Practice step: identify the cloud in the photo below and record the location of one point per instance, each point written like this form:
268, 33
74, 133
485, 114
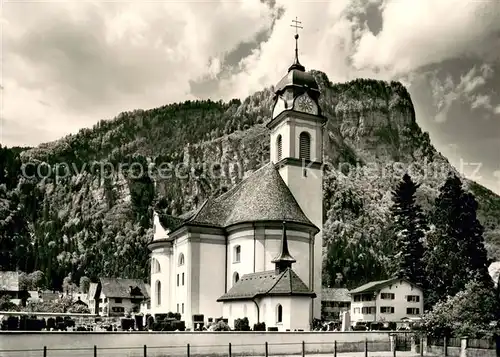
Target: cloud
420, 33
66, 65
445, 92
482, 101
496, 184
69, 64
90, 61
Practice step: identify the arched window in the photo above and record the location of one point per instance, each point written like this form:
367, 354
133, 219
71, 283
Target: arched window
158, 293
279, 147
305, 146
181, 259
236, 277
279, 313
155, 266
237, 254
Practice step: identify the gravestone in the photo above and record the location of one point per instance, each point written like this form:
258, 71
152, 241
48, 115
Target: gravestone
346, 321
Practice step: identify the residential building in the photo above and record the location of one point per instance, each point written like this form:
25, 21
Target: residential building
197, 258
35, 296
334, 301
116, 297
93, 299
9, 286
393, 300
145, 307
50, 295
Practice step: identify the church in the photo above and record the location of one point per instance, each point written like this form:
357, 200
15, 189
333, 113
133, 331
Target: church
256, 250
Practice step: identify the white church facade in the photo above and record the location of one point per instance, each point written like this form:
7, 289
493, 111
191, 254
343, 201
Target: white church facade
256, 250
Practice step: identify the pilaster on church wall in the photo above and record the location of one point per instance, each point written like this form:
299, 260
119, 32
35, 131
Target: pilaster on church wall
260, 249
162, 255
242, 237
179, 293
212, 261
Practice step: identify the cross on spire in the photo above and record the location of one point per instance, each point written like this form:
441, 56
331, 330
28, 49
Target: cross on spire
297, 25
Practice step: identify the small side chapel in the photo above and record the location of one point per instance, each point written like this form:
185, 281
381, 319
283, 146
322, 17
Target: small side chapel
232, 257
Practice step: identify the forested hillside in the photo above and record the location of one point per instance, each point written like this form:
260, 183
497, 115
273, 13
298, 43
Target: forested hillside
83, 204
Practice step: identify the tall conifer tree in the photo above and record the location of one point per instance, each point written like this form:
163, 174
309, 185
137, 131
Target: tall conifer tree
409, 228
456, 252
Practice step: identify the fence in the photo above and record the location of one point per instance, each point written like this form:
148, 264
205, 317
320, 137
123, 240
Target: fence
363, 348
454, 347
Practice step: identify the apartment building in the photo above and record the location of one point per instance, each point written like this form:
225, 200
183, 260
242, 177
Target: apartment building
393, 300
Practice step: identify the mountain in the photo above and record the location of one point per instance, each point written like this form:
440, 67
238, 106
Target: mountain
83, 204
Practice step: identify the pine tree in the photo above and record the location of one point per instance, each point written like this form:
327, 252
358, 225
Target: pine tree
498, 298
456, 252
409, 227
473, 246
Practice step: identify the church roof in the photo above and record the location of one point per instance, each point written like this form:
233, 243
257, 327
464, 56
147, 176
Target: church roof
267, 283
296, 77
262, 196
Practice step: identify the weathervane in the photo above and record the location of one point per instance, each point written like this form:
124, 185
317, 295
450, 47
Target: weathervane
297, 25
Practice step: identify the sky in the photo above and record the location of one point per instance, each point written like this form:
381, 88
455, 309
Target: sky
68, 64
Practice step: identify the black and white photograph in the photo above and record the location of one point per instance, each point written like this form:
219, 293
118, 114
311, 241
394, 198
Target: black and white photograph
234, 178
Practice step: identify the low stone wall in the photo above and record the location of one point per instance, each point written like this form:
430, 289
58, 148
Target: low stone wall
477, 352
463, 351
15, 343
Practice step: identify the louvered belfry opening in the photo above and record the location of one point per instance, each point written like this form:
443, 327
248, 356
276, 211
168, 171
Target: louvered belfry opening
280, 147
304, 146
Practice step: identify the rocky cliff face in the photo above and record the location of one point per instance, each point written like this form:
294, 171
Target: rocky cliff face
371, 139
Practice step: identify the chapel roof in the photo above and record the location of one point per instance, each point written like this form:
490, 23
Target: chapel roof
262, 196
267, 283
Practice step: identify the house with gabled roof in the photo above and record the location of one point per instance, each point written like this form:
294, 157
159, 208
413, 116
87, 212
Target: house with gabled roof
116, 296
392, 300
335, 301
197, 259
10, 287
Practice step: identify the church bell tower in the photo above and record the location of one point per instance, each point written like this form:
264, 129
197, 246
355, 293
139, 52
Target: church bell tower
297, 151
